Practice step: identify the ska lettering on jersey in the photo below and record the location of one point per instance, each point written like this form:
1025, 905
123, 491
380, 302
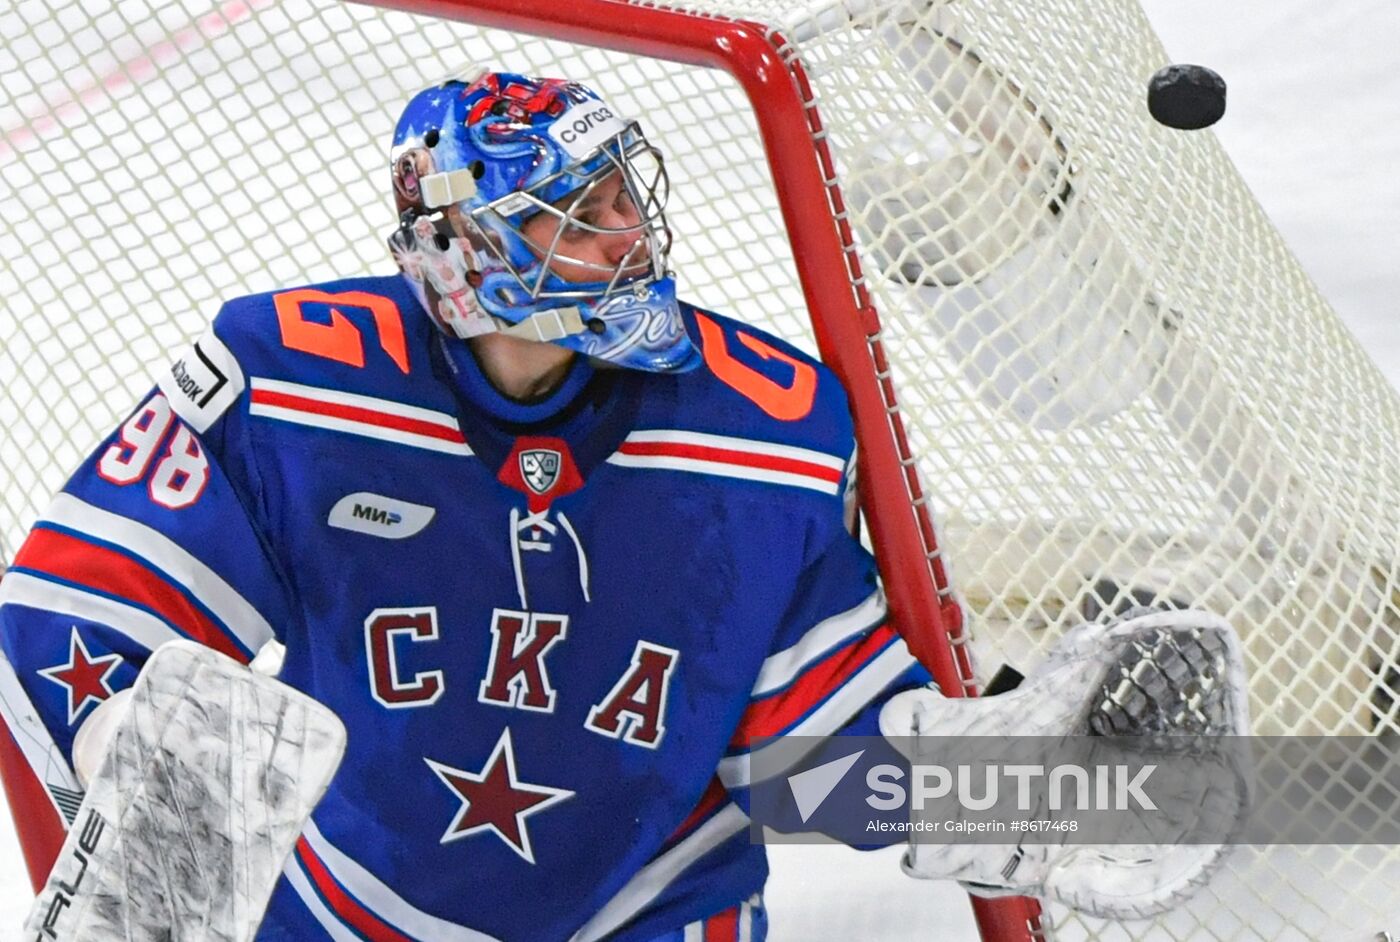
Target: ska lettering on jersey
633, 709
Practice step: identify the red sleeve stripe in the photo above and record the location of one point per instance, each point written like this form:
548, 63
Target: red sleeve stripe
265, 397
711, 801
723, 926
106, 571
761, 762
354, 414
734, 924
346, 898
728, 456
166, 556
781, 668
731, 456
345, 906
773, 715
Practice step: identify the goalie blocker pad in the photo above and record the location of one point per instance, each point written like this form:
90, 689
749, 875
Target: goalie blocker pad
1145, 678
189, 820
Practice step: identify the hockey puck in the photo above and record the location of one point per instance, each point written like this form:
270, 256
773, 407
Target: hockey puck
1006, 678
1186, 97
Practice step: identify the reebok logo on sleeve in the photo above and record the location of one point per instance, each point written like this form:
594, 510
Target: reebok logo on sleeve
203, 382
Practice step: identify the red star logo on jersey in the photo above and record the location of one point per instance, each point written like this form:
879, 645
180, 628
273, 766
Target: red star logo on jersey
84, 676
495, 799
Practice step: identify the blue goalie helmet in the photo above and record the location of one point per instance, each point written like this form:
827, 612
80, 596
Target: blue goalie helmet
528, 207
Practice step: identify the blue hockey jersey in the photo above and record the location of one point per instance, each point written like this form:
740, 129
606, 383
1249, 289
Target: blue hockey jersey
552, 629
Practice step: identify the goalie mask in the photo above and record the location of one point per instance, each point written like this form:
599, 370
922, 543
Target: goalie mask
526, 206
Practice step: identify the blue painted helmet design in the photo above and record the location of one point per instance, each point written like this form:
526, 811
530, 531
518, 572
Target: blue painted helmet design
527, 206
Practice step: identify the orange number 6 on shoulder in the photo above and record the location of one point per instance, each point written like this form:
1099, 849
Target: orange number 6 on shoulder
786, 403
340, 339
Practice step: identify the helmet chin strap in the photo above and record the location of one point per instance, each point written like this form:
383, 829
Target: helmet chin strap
552, 324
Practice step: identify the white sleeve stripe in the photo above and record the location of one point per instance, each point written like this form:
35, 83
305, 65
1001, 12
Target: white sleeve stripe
695, 931
33, 738
380, 899
781, 669
205, 585
736, 771
21, 588
363, 429
724, 470
648, 883
333, 926
753, 446
355, 400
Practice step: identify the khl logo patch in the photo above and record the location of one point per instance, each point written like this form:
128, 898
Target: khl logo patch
540, 468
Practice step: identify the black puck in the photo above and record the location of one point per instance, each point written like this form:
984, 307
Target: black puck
1006, 678
1186, 97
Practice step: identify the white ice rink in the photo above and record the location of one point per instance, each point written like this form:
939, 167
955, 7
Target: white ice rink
1314, 126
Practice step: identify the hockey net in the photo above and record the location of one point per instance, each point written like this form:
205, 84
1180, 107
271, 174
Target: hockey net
1074, 328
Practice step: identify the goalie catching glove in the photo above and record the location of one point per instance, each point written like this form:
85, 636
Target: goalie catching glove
1159, 682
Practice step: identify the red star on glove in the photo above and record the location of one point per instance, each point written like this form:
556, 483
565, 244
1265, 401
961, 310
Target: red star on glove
496, 800
84, 676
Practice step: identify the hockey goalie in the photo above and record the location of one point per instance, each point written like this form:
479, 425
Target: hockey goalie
553, 548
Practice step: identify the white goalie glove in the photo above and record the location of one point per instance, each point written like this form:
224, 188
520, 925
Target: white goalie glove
1146, 678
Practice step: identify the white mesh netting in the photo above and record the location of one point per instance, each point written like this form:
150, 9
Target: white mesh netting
1117, 380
